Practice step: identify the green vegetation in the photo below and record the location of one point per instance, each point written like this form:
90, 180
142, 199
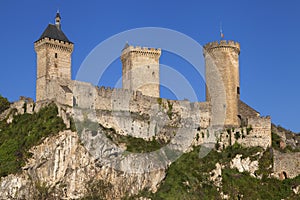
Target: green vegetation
4, 104
237, 135
133, 144
249, 129
170, 108
276, 139
43, 191
159, 101
24, 132
243, 186
266, 164
97, 190
138, 145
188, 178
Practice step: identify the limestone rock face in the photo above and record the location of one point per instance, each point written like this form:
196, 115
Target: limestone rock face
62, 168
216, 175
244, 164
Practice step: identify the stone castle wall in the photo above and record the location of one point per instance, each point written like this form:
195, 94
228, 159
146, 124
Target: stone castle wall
286, 165
256, 133
132, 113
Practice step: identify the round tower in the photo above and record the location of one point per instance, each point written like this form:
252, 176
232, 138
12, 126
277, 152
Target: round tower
140, 69
222, 62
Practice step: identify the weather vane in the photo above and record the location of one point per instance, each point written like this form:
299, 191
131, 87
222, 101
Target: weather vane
221, 31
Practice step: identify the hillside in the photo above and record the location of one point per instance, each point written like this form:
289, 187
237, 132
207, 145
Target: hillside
40, 158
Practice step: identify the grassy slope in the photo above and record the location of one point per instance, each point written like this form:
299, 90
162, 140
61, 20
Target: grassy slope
188, 178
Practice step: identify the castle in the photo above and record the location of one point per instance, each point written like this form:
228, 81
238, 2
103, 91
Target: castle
140, 79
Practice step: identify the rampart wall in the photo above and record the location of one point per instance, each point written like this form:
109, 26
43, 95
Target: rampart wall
132, 113
286, 165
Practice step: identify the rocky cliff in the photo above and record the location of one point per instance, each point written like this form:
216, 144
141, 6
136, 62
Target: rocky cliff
61, 168
97, 162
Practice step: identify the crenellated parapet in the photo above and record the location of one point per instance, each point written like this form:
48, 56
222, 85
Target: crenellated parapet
142, 51
54, 44
222, 45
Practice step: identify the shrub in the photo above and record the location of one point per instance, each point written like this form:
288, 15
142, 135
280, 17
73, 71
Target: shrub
237, 135
188, 178
4, 104
24, 132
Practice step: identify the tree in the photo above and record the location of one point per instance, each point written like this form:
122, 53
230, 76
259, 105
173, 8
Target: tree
4, 104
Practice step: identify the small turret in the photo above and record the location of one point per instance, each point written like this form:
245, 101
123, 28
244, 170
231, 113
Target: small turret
57, 20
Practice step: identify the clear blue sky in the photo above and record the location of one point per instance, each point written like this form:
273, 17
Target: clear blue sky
268, 32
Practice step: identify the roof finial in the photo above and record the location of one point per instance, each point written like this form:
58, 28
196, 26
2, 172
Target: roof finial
57, 20
221, 31
126, 45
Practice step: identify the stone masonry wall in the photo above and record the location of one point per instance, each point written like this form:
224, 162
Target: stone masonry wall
222, 75
132, 113
140, 70
260, 134
286, 165
53, 61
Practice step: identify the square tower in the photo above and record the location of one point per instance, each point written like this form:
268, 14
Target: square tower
140, 69
54, 52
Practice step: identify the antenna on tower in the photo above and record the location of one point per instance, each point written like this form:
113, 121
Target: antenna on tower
221, 31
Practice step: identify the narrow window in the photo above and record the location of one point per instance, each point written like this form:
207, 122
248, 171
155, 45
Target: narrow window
55, 55
284, 175
238, 90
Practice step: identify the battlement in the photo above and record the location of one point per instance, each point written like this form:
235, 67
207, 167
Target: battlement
68, 46
142, 63
142, 50
223, 44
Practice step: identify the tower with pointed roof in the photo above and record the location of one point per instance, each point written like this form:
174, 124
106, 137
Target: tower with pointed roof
53, 50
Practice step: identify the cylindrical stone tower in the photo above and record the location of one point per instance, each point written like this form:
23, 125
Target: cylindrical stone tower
222, 78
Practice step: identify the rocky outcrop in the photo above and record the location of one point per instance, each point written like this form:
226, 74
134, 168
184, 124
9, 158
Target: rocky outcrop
62, 168
216, 175
244, 165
